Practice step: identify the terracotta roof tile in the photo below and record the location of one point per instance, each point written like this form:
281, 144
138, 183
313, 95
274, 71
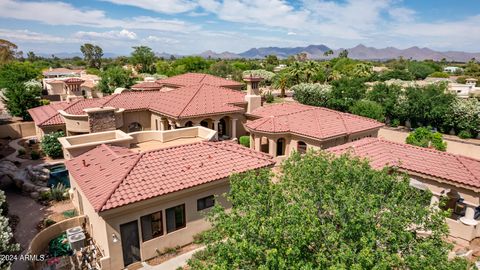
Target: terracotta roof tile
189, 79
381, 153
48, 114
310, 121
186, 101
115, 178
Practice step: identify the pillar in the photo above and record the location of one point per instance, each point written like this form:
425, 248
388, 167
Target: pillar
215, 125
234, 128
272, 147
258, 143
469, 218
196, 124
172, 124
163, 125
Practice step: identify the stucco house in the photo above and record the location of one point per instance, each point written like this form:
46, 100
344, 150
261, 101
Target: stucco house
282, 128
70, 84
139, 203
454, 177
218, 108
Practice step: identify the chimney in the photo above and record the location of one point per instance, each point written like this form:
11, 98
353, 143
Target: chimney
253, 97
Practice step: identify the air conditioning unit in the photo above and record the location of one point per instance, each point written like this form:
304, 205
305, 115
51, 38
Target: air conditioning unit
77, 241
74, 230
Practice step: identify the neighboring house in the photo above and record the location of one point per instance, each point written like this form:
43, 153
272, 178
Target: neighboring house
279, 68
70, 85
190, 79
139, 204
452, 69
464, 90
281, 128
218, 108
454, 177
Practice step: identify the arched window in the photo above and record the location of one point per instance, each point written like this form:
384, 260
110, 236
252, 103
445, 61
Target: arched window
189, 124
301, 147
281, 147
135, 126
204, 123
454, 202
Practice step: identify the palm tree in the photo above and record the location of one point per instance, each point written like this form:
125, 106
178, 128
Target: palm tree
282, 81
310, 69
296, 71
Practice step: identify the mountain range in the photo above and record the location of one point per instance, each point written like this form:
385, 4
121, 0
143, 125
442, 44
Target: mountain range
361, 52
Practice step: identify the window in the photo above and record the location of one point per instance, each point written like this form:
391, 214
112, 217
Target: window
152, 226
175, 218
301, 147
205, 203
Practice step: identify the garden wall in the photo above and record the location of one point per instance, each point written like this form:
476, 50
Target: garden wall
17, 130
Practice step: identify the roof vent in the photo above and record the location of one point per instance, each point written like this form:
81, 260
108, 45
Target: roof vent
84, 162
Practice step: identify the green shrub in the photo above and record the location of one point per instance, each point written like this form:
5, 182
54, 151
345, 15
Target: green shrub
58, 193
21, 152
171, 250
465, 134
314, 94
48, 222
439, 74
34, 155
424, 137
395, 123
269, 97
370, 109
70, 213
45, 196
245, 141
51, 146
44, 101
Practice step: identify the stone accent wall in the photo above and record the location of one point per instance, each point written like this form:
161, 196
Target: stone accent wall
102, 120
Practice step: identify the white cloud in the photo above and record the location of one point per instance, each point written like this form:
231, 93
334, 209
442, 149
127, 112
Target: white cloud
121, 35
402, 14
156, 39
291, 33
162, 6
59, 13
33, 37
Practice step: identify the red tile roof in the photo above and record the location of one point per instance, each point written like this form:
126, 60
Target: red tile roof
48, 115
116, 177
381, 153
315, 122
199, 100
147, 86
198, 78
182, 102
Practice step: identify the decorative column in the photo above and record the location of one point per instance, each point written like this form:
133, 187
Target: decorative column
196, 124
234, 128
172, 124
434, 201
163, 125
272, 147
469, 218
258, 143
215, 125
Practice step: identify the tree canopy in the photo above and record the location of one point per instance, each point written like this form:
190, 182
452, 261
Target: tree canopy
326, 213
6, 235
114, 78
92, 54
425, 137
143, 58
8, 51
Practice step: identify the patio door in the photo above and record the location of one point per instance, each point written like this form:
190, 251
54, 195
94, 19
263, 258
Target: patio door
130, 242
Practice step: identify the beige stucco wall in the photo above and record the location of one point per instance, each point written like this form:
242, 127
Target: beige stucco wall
41, 131
142, 117
102, 226
17, 130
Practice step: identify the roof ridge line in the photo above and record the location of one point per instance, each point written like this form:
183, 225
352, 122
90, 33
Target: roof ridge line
189, 101
466, 168
73, 103
212, 144
318, 124
120, 182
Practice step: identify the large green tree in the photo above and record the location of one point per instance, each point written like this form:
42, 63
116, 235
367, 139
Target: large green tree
326, 213
368, 108
92, 54
17, 73
425, 137
8, 51
282, 81
314, 94
345, 92
143, 58
113, 78
390, 97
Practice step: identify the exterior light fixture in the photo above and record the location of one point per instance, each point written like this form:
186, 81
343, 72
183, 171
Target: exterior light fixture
114, 238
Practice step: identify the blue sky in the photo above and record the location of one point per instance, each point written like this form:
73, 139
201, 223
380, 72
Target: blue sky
193, 26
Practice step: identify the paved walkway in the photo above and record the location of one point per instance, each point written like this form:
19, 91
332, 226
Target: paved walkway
173, 263
30, 213
454, 147
14, 144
